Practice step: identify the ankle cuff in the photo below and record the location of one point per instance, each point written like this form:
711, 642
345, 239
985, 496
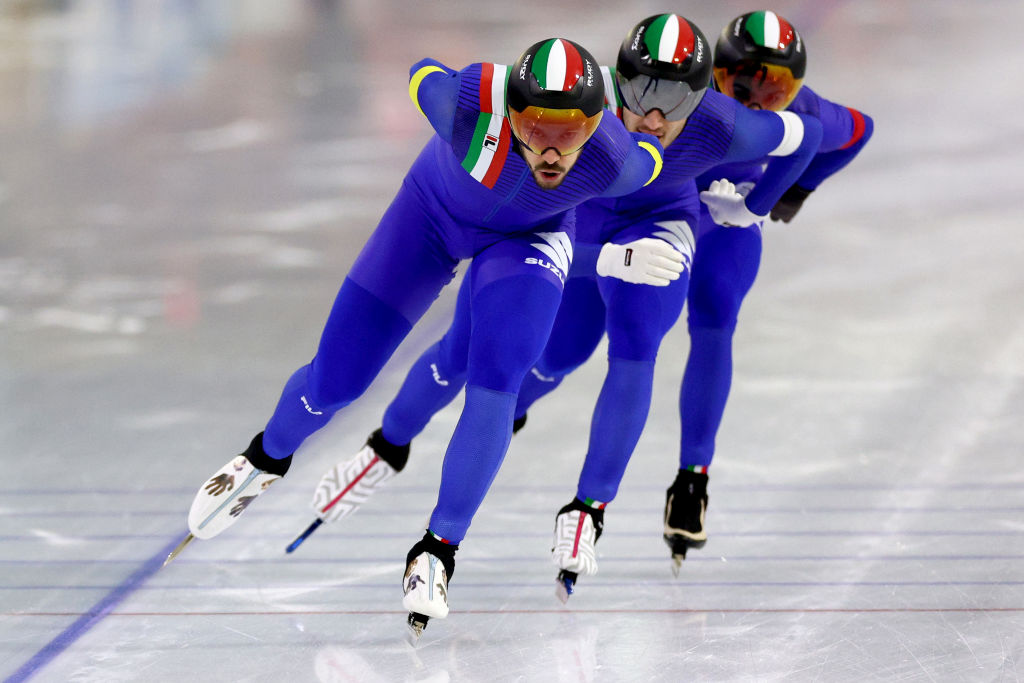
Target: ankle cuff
261, 461
396, 456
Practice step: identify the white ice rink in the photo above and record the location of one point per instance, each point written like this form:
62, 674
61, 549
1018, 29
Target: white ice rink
184, 184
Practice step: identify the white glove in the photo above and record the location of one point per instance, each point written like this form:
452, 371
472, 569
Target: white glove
646, 261
727, 206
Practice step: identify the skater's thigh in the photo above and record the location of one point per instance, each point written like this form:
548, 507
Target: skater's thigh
639, 316
516, 286
406, 262
577, 330
724, 270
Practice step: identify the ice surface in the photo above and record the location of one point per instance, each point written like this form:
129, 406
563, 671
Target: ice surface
183, 186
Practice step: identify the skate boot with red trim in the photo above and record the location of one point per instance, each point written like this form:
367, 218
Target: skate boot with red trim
577, 528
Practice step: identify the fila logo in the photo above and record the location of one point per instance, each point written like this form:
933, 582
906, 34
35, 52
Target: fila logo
557, 248
309, 408
437, 375
490, 142
543, 378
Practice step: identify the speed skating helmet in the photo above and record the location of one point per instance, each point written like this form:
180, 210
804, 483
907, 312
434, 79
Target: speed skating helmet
760, 61
555, 96
665, 64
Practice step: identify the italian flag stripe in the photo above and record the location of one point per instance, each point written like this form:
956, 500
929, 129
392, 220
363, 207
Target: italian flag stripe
764, 28
539, 68
557, 65
669, 39
486, 79
472, 157
489, 147
611, 93
498, 162
786, 32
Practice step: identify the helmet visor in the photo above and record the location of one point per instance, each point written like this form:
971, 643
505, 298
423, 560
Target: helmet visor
759, 86
674, 99
543, 128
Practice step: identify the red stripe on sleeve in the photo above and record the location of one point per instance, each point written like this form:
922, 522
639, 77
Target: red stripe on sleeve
486, 77
858, 128
498, 162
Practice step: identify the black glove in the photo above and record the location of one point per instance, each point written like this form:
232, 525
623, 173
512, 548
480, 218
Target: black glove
789, 203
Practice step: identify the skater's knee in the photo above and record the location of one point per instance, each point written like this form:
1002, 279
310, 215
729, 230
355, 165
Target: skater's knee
452, 357
508, 340
331, 391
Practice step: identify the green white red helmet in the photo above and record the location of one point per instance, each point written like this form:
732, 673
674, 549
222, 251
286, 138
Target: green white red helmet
665, 64
555, 96
760, 60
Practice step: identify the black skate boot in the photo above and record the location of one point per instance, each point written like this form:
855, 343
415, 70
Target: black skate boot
686, 502
518, 424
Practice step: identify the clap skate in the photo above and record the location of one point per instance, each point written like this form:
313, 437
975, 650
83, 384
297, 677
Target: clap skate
348, 485
577, 528
425, 584
228, 493
686, 502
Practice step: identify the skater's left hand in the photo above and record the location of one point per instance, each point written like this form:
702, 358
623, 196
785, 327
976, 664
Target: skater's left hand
646, 261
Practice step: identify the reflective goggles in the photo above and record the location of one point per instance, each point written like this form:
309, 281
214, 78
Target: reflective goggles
540, 128
674, 99
759, 86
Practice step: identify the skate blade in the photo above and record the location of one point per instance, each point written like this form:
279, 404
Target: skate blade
564, 586
677, 563
304, 535
181, 546
416, 623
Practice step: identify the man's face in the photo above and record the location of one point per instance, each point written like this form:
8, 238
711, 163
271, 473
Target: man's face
653, 123
550, 168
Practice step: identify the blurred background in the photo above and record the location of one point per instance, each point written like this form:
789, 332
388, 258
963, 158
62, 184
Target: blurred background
183, 186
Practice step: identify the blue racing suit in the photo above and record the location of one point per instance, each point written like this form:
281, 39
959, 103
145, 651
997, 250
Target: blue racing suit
469, 195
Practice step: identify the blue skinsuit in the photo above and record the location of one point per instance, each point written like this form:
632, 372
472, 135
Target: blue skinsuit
724, 270
636, 317
455, 204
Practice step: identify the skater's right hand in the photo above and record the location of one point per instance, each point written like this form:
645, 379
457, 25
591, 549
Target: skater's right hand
646, 261
727, 205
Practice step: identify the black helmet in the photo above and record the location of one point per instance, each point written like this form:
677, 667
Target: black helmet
665, 64
555, 96
760, 60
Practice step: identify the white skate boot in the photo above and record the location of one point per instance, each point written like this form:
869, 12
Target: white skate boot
577, 528
426, 583
223, 497
348, 485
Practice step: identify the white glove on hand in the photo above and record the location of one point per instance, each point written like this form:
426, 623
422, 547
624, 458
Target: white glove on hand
646, 261
727, 206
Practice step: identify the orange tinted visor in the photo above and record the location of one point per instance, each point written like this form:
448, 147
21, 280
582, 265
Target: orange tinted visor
541, 128
759, 86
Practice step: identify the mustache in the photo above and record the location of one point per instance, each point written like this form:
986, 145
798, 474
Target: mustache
545, 166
